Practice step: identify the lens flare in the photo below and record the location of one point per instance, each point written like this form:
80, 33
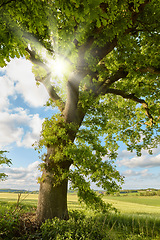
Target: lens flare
60, 67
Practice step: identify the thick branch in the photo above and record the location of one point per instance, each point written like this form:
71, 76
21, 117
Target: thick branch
151, 70
37, 61
103, 87
101, 52
5, 3
46, 80
134, 98
51, 91
71, 111
140, 8
81, 63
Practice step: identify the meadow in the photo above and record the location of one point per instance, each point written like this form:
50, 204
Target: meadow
130, 204
138, 218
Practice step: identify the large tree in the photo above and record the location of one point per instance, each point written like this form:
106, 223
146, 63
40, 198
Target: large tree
108, 94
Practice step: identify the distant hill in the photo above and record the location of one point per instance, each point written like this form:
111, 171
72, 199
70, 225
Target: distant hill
17, 191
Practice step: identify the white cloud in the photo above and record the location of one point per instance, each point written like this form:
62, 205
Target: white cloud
19, 73
13, 124
16, 124
35, 125
6, 89
125, 153
9, 132
131, 173
21, 178
145, 160
141, 180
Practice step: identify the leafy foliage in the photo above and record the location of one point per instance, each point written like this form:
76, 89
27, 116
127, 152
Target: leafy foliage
9, 224
88, 228
4, 160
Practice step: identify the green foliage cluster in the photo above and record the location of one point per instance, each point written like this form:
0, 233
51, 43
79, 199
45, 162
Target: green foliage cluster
9, 221
150, 193
55, 132
4, 160
77, 227
126, 123
20, 24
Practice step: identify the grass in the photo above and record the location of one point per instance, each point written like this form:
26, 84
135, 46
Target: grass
144, 200
136, 205
130, 204
31, 199
139, 218
25, 197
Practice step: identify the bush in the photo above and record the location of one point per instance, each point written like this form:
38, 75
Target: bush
9, 224
77, 227
158, 193
142, 194
15, 222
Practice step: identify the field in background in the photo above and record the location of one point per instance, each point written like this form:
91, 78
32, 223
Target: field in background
139, 218
130, 204
141, 205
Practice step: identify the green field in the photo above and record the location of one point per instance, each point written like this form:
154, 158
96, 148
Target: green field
136, 204
125, 204
13, 197
139, 217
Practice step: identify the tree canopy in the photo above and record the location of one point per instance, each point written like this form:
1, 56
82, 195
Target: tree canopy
110, 90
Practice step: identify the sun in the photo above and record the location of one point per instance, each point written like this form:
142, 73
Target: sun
59, 67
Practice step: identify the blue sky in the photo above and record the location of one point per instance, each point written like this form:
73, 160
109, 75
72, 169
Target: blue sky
22, 112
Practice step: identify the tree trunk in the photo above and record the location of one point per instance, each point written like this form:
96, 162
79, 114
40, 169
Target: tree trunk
52, 200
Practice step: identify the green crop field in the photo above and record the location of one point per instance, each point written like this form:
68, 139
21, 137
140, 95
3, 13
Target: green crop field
125, 204
31, 199
136, 204
140, 215
147, 200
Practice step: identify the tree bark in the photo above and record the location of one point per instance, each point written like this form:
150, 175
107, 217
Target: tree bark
52, 200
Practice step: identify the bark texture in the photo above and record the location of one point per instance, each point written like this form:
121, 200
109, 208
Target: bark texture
52, 201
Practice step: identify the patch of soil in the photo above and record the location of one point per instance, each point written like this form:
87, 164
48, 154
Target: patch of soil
28, 221
29, 226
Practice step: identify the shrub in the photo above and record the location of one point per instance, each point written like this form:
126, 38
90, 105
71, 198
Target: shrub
158, 193
77, 227
9, 224
142, 194
15, 222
